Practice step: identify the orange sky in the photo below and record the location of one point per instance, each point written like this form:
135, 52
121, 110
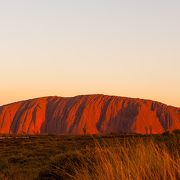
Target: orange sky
78, 47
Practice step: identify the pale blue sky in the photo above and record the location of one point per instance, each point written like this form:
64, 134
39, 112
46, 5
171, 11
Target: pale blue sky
65, 48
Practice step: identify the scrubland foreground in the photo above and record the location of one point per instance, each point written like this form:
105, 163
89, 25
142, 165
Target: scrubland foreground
90, 157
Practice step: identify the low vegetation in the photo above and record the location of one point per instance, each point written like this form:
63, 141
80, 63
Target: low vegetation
90, 157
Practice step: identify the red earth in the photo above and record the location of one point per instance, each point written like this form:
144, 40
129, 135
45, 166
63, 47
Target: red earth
91, 114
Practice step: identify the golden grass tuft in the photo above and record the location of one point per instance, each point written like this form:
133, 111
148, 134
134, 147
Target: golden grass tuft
132, 160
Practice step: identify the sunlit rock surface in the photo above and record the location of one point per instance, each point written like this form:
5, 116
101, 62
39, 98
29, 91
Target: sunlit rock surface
90, 114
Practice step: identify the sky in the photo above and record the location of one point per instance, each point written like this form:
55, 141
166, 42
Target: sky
67, 48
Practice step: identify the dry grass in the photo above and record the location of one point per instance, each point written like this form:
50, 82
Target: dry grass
133, 160
90, 157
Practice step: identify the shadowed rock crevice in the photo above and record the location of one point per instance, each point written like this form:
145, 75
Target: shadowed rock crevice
103, 115
51, 106
164, 118
77, 119
124, 120
17, 119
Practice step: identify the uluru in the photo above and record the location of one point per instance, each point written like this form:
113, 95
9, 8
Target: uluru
91, 114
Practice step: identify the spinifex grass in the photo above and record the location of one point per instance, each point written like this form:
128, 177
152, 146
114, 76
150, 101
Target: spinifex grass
132, 160
90, 157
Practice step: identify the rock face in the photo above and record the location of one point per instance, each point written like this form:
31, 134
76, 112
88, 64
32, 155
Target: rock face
89, 114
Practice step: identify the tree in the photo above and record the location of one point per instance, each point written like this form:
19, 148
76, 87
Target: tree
84, 130
146, 129
150, 129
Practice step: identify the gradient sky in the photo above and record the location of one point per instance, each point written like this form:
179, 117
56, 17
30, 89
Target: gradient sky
71, 47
